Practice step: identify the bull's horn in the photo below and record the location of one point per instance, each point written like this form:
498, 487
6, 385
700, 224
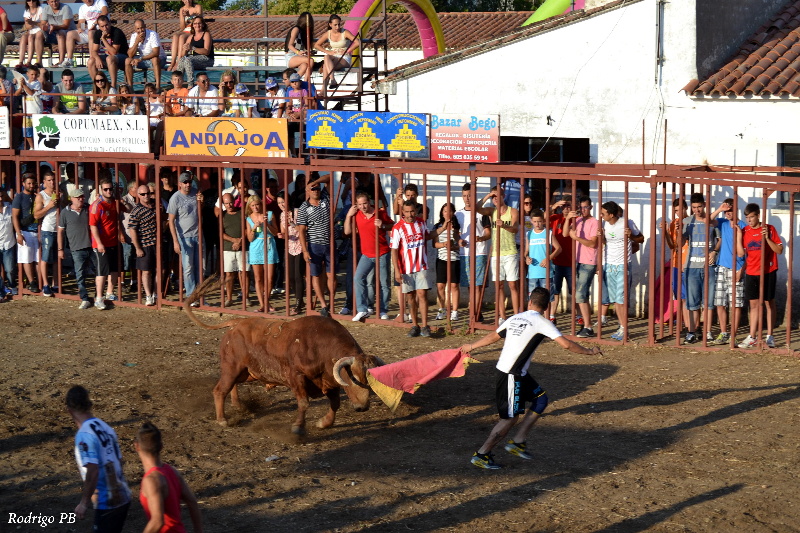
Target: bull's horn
379, 360
337, 368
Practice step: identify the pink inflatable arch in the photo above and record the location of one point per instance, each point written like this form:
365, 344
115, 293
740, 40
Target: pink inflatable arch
423, 12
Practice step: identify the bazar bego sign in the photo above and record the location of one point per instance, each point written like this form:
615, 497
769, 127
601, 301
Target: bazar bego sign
109, 133
227, 137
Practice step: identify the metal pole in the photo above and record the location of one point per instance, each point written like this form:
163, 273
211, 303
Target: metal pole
473, 278
733, 266
267, 283
651, 307
159, 248
600, 258
679, 247
221, 241
200, 233
576, 206
761, 271
790, 247
549, 234
627, 261
704, 314
447, 291
376, 179
666, 274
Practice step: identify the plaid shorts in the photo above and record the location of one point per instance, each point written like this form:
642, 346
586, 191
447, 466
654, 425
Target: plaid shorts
722, 295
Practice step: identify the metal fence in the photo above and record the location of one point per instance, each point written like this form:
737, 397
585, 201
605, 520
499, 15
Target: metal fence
665, 183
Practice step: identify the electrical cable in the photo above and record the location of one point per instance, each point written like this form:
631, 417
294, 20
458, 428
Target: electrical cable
623, 7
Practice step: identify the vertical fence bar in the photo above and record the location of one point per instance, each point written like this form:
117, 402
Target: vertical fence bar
735, 232
332, 209
627, 261
762, 269
665, 279
651, 307
790, 247
600, 237
354, 245
447, 292
159, 236
200, 273
549, 233
376, 178
576, 206
266, 284
222, 274
474, 305
679, 249
704, 314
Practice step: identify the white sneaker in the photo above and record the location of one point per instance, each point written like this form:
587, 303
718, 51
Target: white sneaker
441, 314
67, 63
150, 300
345, 311
384, 316
98, 303
749, 342
111, 297
454, 316
500, 322
770, 341
359, 316
408, 318
85, 304
370, 311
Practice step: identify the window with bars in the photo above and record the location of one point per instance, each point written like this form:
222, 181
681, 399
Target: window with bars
790, 157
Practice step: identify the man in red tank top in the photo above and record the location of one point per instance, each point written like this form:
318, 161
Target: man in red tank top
163, 487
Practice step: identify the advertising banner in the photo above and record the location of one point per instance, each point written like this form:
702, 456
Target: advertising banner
370, 131
91, 133
5, 128
465, 138
227, 137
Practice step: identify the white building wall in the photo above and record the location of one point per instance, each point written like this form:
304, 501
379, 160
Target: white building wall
597, 79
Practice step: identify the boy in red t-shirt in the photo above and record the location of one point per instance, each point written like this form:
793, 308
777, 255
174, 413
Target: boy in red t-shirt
749, 240
103, 220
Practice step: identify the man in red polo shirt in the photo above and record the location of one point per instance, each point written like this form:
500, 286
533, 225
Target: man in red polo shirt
368, 221
103, 224
562, 263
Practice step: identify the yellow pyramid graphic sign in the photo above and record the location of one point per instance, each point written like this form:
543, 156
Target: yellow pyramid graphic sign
365, 139
405, 141
325, 137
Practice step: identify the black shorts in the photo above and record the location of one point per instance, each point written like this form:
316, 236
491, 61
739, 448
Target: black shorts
513, 392
147, 263
441, 271
752, 286
107, 262
110, 520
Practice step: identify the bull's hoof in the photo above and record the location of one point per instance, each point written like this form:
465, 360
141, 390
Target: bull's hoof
323, 423
298, 430
223, 423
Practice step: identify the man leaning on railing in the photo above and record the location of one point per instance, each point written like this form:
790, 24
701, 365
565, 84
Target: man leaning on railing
71, 100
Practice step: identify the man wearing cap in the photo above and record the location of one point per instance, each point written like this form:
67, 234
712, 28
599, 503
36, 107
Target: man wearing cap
314, 230
74, 221
145, 53
274, 108
244, 106
183, 222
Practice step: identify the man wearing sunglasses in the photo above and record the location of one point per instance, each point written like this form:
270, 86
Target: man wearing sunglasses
142, 230
203, 99
103, 224
112, 40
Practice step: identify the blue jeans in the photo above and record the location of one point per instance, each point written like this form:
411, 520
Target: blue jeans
80, 260
584, 282
190, 259
365, 283
614, 284
9, 260
348, 282
696, 289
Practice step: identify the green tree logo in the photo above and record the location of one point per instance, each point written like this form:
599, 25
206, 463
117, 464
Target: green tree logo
48, 132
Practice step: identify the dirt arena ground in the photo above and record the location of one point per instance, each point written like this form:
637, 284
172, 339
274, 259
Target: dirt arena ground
637, 440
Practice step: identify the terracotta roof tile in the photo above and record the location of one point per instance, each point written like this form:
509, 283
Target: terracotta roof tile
490, 42
767, 63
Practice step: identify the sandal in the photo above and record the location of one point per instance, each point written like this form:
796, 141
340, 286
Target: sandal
260, 310
296, 311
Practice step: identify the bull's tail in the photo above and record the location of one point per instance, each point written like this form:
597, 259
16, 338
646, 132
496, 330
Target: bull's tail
204, 288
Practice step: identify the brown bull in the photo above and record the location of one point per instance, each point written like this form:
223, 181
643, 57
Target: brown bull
307, 355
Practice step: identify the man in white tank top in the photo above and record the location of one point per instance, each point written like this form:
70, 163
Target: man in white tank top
45, 209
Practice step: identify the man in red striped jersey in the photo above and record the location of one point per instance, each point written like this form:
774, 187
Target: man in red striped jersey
410, 260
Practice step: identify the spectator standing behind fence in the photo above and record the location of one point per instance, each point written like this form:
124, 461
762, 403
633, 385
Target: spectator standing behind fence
88, 14
56, 23
724, 295
6, 33
113, 42
203, 100
263, 253
748, 242
142, 231
297, 265
45, 209
615, 257
410, 259
540, 253
582, 229
669, 232
562, 264
163, 487
100, 463
447, 230
198, 49
483, 234
699, 290
183, 224
127, 203
275, 108
296, 97
296, 46
175, 104
314, 227
8, 247
104, 225
73, 222
365, 220
239, 189
32, 40
145, 53
26, 227
410, 192
505, 220
186, 15
71, 100
233, 249
32, 90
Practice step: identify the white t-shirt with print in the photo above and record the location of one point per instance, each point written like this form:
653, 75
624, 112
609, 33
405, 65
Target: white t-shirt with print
615, 242
91, 13
523, 333
203, 106
145, 48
